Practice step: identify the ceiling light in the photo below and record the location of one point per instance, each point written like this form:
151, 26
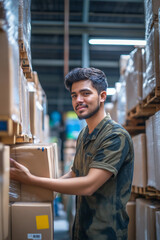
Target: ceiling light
128, 42
111, 91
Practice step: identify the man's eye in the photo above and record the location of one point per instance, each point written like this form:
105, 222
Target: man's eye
73, 96
86, 93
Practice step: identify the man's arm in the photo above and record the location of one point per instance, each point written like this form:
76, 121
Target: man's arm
86, 185
70, 174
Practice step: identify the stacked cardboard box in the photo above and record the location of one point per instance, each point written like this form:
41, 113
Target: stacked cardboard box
121, 91
152, 46
140, 161
131, 210
4, 188
9, 61
35, 203
152, 61
146, 219
158, 224
153, 148
24, 105
24, 27
32, 221
134, 79
42, 161
38, 110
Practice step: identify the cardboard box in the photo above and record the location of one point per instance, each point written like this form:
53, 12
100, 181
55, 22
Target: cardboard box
156, 127
152, 62
151, 14
9, 225
146, 219
140, 161
9, 78
152, 207
131, 210
41, 160
134, 79
141, 218
158, 225
4, 188
150, 142
31, 220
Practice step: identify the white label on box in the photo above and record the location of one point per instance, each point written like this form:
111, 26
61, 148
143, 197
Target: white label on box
34, 236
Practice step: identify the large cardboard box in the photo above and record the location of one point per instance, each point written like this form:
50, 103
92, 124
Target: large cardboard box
152, 62
146, 219
141, 218
150, 143
158, 225
9, 90
140, 162
4, 188
131, 210
156, 127
24, 105
41, 160
151, 14
32, 221
151, 220
134, 79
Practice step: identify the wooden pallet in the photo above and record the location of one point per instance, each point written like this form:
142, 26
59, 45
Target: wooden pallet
23, 139
146, 108
8, 140
135, 126
152, 99
146, 192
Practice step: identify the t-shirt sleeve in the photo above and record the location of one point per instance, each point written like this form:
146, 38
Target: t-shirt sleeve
112, 153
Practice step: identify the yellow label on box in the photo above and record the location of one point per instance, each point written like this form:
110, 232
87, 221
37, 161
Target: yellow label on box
42, 222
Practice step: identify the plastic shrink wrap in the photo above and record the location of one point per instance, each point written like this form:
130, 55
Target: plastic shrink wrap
146, 219
158, 225
140, 161
134, 79
156, 126
121, 101
151, 14
152, 62
24, 105
24, 27
38, 110
150, 142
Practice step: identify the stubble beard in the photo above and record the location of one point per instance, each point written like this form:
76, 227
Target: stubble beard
91, 114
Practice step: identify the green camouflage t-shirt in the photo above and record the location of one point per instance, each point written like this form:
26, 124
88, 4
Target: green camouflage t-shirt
103, 216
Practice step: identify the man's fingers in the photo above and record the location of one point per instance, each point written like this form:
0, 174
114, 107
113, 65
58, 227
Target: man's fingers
13, 163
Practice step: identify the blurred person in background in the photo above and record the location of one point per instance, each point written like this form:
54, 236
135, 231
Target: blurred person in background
101, 175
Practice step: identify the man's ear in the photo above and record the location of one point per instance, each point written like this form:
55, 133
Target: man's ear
103, 96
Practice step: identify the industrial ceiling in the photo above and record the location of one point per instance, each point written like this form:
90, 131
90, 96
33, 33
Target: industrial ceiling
59, 41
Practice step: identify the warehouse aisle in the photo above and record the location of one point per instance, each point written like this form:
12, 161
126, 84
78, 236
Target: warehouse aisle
61, 226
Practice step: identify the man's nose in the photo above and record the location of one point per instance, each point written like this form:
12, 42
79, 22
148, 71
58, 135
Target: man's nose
79, 98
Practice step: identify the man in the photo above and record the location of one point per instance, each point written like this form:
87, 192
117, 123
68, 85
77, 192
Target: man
102, 171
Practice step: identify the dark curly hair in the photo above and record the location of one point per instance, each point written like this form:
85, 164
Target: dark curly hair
96, 76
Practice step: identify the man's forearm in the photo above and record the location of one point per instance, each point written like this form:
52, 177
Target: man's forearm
70, 174
73, 186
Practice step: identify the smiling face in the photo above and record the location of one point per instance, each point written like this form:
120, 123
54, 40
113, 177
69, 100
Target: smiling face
85, 99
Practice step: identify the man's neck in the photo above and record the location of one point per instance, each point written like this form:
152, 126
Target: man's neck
95, 120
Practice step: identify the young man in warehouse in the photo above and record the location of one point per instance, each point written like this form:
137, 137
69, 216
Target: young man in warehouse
102, 171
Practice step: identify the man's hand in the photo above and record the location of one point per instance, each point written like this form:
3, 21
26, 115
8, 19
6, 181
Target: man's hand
18, 172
